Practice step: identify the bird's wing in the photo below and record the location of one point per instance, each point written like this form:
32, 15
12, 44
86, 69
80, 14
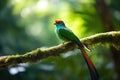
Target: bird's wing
70, 36
67, 34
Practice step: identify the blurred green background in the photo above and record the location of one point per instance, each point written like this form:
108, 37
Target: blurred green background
28, 24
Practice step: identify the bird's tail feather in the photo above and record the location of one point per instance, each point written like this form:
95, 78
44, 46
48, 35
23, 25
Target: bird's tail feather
92, 69
86, 48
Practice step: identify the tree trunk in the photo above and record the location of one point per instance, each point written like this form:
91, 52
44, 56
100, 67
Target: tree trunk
108, 26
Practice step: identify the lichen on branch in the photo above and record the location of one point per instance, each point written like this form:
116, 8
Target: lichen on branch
111, 38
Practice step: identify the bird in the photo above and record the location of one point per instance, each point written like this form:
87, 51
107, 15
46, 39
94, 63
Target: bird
66, 34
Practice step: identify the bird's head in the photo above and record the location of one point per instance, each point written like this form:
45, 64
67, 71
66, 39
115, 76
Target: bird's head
59, 22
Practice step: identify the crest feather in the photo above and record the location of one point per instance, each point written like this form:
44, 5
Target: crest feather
58, 21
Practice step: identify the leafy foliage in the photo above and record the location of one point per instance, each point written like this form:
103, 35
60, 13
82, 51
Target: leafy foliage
26, 25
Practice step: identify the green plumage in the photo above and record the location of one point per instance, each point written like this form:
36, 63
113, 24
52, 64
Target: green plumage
67, 35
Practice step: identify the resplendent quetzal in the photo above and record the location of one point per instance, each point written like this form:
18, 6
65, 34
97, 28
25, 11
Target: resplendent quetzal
67, 35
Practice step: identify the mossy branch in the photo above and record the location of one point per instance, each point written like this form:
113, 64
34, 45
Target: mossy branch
111, 38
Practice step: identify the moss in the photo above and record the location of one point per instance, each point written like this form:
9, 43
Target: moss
109, 38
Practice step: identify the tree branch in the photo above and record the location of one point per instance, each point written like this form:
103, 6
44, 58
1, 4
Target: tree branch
111, 38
